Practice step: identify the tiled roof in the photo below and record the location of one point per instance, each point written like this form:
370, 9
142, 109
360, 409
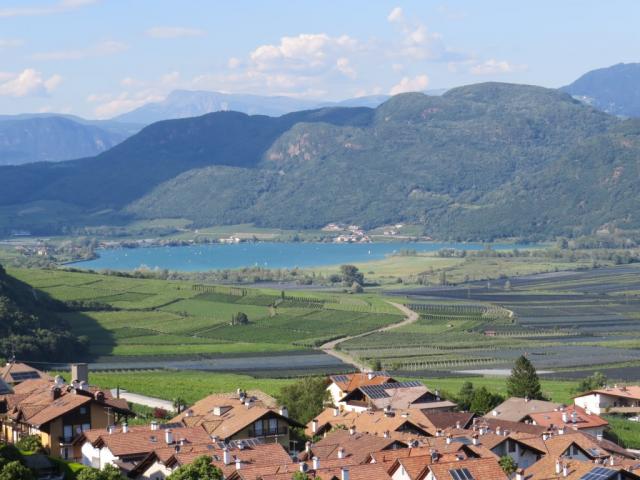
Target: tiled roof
443, 420
356, 447
18, 372
349, 382
369, 471
515, 409
479, 468
141, 440
631, 392
224, 415
583, 420
397, 395
545, 469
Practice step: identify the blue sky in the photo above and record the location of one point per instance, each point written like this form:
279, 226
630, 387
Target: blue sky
99, 58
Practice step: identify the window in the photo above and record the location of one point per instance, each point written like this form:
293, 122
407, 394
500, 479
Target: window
273, 426
461, 474
83, 410
511, 446
67, 432
257, 426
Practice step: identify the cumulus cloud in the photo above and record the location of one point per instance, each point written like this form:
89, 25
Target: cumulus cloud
408, 84
234, 62
495, 67
44, 9
114, 104
29, 82
174, 32
396, 15
344, 66
108, 47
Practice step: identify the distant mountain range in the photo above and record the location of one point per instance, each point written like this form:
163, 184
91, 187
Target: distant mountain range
53, 138
615, 89
479, 162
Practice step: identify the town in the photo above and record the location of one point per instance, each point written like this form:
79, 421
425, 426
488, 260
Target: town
372, 427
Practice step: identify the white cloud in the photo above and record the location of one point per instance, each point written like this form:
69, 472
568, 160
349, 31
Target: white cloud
174, 32
10, 42
495, 67
114, 104
234, 63
108, 47
304, 52
344, 66
396, 15
44, 9
29, 82
408, 84
170, 79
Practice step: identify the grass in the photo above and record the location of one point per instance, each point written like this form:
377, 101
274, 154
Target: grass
624, 430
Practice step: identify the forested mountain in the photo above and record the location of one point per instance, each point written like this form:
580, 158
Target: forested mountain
52, 138
29, 327
614, 89
193, 103
482, 161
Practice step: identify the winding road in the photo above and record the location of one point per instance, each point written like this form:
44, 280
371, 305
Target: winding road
330, 347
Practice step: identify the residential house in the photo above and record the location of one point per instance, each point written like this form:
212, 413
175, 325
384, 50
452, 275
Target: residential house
58, 413
470, 469
571, 418
395, 396
516, 409
555, 468
125, 446
14, 373
240, 416
342, 384
616, 399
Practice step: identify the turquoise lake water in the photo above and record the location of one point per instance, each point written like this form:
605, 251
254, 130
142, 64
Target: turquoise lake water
195, 258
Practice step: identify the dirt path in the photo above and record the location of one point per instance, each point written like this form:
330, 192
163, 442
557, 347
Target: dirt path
330, 347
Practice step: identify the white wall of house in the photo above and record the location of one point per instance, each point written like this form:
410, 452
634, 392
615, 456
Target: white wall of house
336, 393
96, 457
400, 474
594, 402
157, 471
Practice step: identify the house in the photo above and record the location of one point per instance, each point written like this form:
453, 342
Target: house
517, 409
58, 413
14, 373
395, 396
616, 399
555, 468
573, 418
230, 457
402, 424
470, 469
125, 446
369, 471
239, 416
343, 384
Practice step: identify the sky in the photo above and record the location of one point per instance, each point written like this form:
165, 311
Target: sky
101, 58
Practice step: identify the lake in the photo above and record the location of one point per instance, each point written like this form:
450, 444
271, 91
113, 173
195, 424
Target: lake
195, 258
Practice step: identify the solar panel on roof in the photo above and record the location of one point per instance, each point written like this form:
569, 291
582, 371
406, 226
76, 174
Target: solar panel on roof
599, 473
4, 388
341, 378
461, 474
409, 384
374, 391
20, 376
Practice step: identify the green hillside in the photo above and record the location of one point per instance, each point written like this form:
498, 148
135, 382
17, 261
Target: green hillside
29, 327
482, 161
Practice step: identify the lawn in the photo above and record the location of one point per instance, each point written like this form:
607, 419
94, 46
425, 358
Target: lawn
626, 431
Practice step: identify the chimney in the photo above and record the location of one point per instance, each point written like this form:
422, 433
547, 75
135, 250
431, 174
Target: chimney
303, 467
154, 425
560, 430
611, 461
474, 439
494, 413
352, 430
80, 372
370, 375
247, 403
316, 463
519, 474
558, 467
437, 394
344, 473
387, 411
340, 452
125, 427
238, 463
498, 430
545, 436
386, 434
458, 425
599, 436
565, 417
574, 417
314, 425
56, 393
110, 429
226, 456
168, 436
565, 470
284, 411
307, 447
336, 411
448, 440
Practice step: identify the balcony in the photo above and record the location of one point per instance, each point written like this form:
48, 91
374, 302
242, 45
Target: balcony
635, 410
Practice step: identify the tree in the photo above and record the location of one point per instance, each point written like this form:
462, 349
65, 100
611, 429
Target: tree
351, 274
178, 404
300, 476
200, 469
443, 278
484, 401
304, 398
356, 288
465, 396
15, 471
30, 443
524, 381
592, 382
109, 472
239, 318
508, 464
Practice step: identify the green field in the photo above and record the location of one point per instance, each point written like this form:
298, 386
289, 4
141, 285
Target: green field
158, 317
